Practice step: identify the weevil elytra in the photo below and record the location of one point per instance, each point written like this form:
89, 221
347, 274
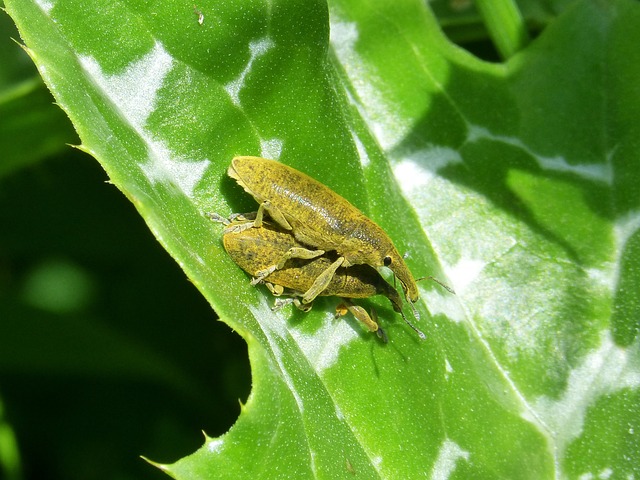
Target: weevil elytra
256, 249
319, 218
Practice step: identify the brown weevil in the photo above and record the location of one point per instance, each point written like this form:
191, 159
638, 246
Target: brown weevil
320, 219
257, 249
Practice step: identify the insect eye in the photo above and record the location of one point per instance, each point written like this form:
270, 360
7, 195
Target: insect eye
386, 261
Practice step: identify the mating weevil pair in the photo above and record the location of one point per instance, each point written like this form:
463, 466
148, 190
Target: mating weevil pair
315, 224
257, 249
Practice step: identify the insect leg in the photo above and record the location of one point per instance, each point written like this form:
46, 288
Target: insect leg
380, 332
358, 312
275, 214
370, 321
322, 281
216, 217
242, 217
276, 290
237, 222
293, 252
281, 302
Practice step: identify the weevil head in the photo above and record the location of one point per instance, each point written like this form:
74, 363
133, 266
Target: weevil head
395, 263
369, 244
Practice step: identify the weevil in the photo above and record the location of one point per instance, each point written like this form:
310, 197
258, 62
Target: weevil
321, 219
256, 249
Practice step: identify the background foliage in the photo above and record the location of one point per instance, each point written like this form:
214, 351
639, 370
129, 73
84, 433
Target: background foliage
513, 181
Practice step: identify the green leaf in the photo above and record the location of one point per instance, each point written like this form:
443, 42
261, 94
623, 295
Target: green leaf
514, 183
506, 25
31, 127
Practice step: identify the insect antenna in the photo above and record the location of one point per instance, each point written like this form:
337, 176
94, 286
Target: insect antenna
417, 315
443, 285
